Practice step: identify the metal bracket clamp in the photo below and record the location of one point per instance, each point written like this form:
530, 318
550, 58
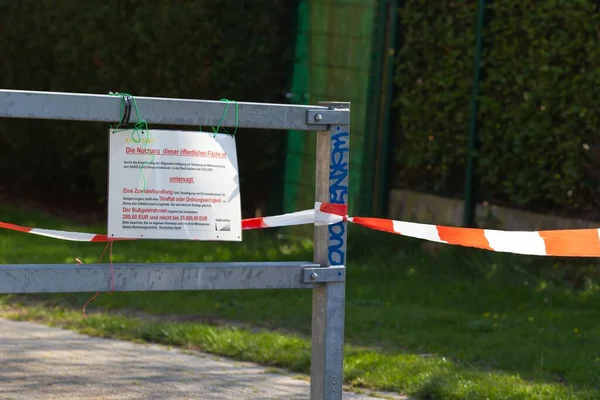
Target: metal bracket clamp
324, 274
127, 112
328, 117
126, 108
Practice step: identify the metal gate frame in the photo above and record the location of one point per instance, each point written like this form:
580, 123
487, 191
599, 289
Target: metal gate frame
326, 275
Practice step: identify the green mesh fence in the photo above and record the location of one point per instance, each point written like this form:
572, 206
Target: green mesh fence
335, 61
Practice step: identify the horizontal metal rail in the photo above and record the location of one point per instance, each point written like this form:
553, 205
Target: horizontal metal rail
107, 108
70, 278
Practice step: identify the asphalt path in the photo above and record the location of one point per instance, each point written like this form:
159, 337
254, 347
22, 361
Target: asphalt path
42, 362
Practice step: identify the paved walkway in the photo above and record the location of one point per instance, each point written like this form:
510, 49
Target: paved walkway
41, 362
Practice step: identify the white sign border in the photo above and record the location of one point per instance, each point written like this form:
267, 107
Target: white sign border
235, 235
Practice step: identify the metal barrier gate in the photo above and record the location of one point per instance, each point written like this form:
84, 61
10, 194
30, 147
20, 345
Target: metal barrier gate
325, 275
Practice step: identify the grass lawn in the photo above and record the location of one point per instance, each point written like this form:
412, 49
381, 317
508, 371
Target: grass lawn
456, 324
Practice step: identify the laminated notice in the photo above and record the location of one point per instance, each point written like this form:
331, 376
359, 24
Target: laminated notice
170, 184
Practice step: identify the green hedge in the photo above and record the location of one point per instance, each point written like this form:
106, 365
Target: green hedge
434, 79
207, 49
538, 120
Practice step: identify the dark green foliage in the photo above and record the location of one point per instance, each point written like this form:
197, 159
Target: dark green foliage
539, 104
538, 136
206, 49
434, 78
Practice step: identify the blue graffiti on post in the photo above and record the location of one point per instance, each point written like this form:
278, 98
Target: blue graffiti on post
336, 254
338, 168
338, 193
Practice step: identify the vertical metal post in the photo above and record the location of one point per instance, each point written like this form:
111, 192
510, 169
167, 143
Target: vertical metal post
328, 311
382, 153
469, 208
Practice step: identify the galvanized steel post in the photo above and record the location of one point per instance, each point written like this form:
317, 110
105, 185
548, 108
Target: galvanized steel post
333, 159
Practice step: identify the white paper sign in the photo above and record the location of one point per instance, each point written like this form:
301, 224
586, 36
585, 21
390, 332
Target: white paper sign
167, 184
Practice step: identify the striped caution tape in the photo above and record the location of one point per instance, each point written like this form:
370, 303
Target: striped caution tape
563, 243
291, 219
63, 235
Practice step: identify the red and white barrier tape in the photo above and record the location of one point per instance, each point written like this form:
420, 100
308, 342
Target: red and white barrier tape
564, 243
296, 218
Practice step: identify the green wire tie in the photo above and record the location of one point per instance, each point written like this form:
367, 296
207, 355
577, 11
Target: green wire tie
216, 131
138, 129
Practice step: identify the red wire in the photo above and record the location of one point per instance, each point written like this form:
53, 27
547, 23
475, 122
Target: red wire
112, 275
